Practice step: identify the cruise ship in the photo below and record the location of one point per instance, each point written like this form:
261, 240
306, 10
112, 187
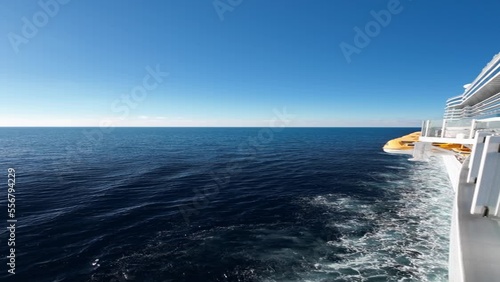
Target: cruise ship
468, 140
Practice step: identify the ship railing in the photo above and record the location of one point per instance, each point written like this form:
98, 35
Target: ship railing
447, 128
459, 128
432, 128
490, 106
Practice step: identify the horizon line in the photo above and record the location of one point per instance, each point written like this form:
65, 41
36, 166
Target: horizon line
28, 126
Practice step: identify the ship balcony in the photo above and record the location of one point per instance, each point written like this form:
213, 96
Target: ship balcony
489, 107
459, 131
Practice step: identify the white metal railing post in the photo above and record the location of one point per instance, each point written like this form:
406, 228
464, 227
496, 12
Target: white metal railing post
443, 128
472, 129
427, 128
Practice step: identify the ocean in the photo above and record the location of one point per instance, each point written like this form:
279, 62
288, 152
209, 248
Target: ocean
222, 204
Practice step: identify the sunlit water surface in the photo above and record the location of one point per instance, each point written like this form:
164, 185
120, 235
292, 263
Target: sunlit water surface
207, 204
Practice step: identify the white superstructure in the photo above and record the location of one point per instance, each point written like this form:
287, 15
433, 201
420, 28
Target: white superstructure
481, 97
472, 119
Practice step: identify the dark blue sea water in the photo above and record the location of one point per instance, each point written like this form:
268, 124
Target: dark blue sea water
222, 204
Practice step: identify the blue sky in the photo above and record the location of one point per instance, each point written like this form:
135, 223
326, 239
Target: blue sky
233, 63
